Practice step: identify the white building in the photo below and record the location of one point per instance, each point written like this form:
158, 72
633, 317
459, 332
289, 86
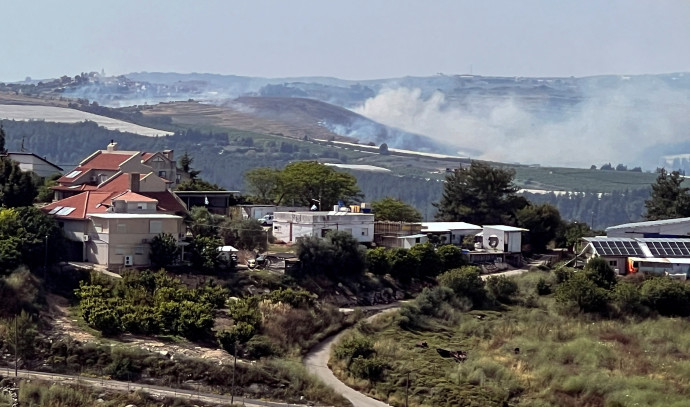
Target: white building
502, 238
31, 162
288, 226
454, 232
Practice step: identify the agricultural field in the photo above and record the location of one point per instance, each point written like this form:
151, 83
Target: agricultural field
65, 115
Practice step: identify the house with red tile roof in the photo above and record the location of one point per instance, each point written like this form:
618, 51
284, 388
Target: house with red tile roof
101, 166
112, 223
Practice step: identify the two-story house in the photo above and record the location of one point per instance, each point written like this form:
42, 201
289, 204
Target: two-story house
112, 224
103, 165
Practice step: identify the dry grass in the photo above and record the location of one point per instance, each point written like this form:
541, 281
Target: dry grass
563, 360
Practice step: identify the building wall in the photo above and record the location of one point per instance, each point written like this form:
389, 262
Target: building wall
288, 226
129, 237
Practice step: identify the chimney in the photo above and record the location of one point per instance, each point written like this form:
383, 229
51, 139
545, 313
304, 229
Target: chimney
112, 146
169, 154
134, 182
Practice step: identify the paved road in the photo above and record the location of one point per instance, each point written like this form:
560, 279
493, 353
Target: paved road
316, 362
150, 389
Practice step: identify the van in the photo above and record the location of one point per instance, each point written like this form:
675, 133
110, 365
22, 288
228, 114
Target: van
266, 220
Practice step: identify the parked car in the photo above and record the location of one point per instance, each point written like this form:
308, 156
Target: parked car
266, 220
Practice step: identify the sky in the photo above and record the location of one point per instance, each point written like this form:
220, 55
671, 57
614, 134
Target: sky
348, 39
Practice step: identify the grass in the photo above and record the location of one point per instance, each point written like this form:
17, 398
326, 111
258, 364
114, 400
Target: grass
563, 360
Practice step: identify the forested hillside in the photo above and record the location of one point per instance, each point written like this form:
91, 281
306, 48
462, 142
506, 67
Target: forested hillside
224, 156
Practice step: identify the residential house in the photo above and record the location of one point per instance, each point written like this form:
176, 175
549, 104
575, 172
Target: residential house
289, 226
113, 223
34, 163
103, 165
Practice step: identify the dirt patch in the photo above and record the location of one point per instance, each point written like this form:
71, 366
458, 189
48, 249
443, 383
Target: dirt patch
62, 323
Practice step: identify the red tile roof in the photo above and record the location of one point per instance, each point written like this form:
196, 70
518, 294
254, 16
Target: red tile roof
133, 197
86, 202
107, 161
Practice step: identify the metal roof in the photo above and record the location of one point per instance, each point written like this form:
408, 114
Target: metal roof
448, 226
649, 223
506, 228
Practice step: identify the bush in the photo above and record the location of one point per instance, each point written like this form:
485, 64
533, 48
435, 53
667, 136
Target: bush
260, 346
628, 299
543, 287
667, 297
240, 333
377, 261
294, 298
600, 273
465, 282
451, 257
352, 347
501, 288
563, 274
584, 293
370, 369
429, 261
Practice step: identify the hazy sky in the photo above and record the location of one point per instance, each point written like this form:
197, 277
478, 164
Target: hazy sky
351, 39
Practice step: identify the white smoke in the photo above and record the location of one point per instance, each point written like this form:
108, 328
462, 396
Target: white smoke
617, 123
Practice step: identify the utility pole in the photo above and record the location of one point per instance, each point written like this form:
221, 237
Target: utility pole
234, 367
16, 347
45, 259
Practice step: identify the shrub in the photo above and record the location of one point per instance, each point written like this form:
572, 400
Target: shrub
584, 293
239, 333
501, 288
667, 297
628, 299
600, 273
294, 298
451, 257
563, 274
260, 346
543, 287
370, 369
377, 261
465, 282
429, 261
352, 347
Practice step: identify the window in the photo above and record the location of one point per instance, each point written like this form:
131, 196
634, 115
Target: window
139, 250
98, 226
417, 239
141, 205
613, 263
162, 174
121, 228
365, 232
119, 250
155, 226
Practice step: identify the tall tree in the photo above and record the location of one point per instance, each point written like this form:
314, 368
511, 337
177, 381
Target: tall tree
17, 187
480, 194
303, 182
2, 139
543, 221
668, 199
392, 209
262, 183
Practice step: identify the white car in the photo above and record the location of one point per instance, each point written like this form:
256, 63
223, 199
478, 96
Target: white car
267, 220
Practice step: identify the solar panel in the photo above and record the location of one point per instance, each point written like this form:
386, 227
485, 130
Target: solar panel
670, 248
54, 210
617, 248
65, 211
